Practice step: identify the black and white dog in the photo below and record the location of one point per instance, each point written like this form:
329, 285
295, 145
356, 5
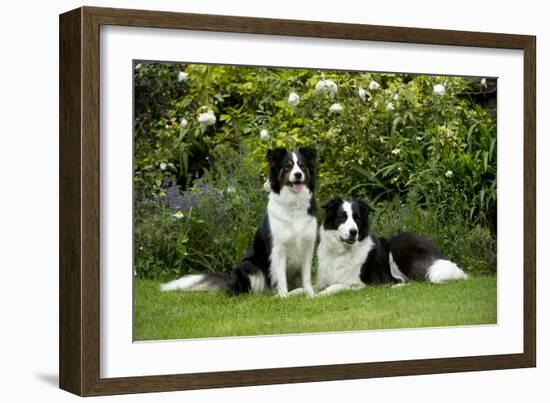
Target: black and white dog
350, 256
282, 250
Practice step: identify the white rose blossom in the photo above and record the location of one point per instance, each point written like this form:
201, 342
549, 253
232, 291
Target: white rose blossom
439, 89
396, 151
335, 108
264, 134
138, 66
326, 86
483, 82
207, 118
449, 174
163, 166
390, 107
183, 76
395, 96
362, 94
184, 123
293, 99
373, 85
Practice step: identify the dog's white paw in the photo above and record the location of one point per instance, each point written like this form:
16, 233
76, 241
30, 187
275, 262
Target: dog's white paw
296, 291
309, 291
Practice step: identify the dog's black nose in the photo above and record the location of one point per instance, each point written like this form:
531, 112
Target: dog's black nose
353, 232
297, 175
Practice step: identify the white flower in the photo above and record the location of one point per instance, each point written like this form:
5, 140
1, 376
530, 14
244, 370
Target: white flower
449, 174
327, 86
183, 76
381, 139
335, 108
178, 215
163, 166
320, 86
395, 96
138, 66
483, 82
374, 85
264, 134
419, 138
267, 186
396, 151
389, 107
439, 89
230, 189
184, 123
293, 99
207, 118
362, 94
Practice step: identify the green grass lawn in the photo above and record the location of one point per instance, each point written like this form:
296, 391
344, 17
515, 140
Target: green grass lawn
180, 315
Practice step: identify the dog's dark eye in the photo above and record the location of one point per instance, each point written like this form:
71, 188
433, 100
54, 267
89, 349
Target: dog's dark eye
301, 164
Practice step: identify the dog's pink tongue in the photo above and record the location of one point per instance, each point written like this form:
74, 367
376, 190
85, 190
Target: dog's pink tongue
297, 187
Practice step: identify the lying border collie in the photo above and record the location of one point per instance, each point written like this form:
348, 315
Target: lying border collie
282, 250
350, 256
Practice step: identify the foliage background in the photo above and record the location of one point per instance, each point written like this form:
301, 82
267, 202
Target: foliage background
424, 158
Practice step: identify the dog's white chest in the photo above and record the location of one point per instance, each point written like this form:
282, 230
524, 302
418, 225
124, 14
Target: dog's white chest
292, 228
339, 263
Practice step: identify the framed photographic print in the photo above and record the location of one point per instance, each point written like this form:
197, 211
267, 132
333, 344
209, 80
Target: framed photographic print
238, 194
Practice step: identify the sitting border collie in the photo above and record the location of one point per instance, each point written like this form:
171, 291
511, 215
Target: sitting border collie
351, 257
282, 250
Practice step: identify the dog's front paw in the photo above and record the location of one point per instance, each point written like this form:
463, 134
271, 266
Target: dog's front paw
282, 292
296, 291
308, 290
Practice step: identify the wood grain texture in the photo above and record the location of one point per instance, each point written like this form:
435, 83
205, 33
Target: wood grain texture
70, 186
90, 201
530, 202
80, 196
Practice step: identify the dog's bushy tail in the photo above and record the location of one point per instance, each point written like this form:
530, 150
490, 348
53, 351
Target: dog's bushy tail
443, 270
201, 282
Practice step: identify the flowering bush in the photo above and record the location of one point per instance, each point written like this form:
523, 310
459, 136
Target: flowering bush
378, 136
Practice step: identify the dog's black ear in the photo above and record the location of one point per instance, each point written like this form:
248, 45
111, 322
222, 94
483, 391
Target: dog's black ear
308, 152
276, 155
364, 207
364, 211
331, 203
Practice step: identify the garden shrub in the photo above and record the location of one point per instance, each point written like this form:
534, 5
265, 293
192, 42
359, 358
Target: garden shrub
417, 147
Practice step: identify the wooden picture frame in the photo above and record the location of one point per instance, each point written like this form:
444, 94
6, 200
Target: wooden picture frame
80, 187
